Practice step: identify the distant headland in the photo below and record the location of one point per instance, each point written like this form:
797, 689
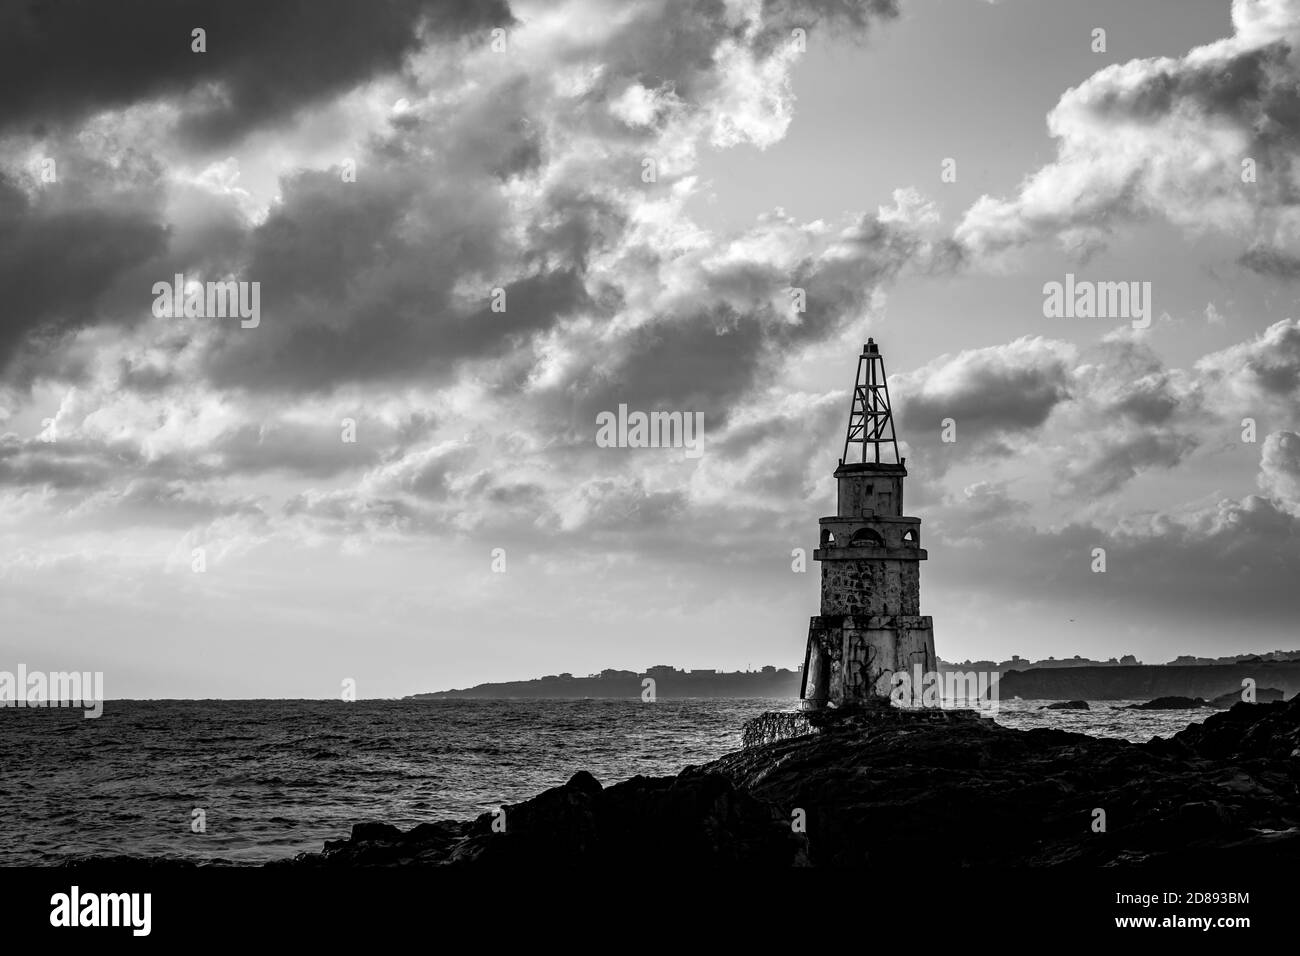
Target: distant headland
1125, 678
668, 683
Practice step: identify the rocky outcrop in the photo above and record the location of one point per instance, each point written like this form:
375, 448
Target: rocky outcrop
1263, 695
695, 818
775, 725
976, 793
1169, 703
1246, 733
903, 790
1067, 705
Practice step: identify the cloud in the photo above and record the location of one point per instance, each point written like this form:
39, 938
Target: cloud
620, 503
60, 466
113, 225
1100, 464
1259, 377
520, 173
989, 392
1206, 141
1280, 467
60, 63
1217, 565
1270, 262
144, 502
1095, 418
1210, 562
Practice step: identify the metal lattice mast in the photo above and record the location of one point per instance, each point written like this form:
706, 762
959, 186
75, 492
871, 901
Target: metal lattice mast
871, 423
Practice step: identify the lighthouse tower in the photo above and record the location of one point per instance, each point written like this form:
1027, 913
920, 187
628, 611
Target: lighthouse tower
870, 624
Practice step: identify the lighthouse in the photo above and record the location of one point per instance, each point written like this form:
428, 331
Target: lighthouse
870, 626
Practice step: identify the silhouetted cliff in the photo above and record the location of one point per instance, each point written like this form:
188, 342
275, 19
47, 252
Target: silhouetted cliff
1147, 681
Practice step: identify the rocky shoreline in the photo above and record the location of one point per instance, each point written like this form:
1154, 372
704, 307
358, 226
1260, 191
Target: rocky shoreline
900, 789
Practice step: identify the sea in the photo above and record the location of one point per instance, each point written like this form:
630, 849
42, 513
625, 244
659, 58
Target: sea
245, 782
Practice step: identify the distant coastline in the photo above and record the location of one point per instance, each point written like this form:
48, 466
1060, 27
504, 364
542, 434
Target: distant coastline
669, 684
1076, 677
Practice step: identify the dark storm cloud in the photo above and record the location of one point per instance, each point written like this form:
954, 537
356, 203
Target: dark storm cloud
1271, 262
702, 363
1127, 378
86, 249
827, 417
985, 503
1239, 557
66, 253
389, 278
1214, 86
387, 281
988, 392
62, 466
787, 454
1110, 461
60, 61
392, 276
1120, 414
708, 357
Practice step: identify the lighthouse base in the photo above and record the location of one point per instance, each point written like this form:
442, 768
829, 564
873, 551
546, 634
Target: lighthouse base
851, 660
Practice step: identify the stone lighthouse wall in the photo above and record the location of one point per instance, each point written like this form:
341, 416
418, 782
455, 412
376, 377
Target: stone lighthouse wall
852, 659
871, 587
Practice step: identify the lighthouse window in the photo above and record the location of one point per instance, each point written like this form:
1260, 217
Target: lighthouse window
866, 538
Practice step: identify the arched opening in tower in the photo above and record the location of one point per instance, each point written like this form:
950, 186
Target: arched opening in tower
866, 538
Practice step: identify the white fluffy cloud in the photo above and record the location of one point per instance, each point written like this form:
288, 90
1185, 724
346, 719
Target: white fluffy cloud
1206, 141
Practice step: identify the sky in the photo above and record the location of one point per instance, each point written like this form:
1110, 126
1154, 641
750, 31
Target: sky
463, 260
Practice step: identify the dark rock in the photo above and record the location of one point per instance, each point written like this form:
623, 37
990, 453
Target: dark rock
785, 725
773, 726
1067, 705
907, 790
1263, 695
375, 831
1169, 703
1248, 731
695, 818
584, 782
978, 793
